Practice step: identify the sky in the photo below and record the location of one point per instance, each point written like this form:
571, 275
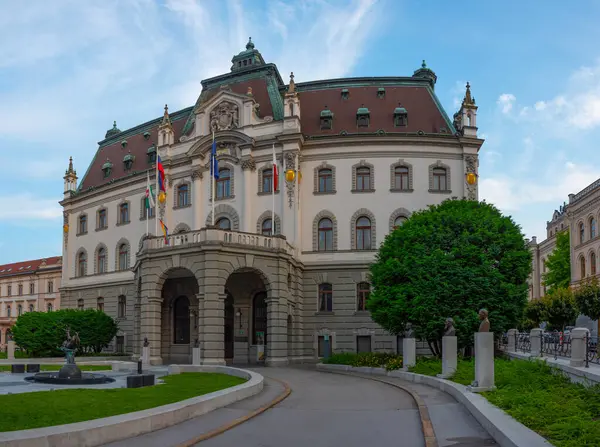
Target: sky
68, 68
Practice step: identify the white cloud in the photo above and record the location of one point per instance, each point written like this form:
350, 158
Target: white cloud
506, 102
28, 207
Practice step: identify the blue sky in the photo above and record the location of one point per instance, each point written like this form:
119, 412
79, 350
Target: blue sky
68, 68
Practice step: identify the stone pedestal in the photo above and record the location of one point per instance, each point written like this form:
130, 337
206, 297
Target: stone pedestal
536, 342
512, 335
146, 356
484, 362
196, 356
578, 346
409, 352
10, 350
449, 356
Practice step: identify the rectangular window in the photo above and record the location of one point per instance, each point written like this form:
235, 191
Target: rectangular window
82, 224
9, 291
50, 286
31, 288
267, 183
321, 348
20, 289
363, 343
325, 180
363, 179
439, 179
121, 308
325, 298
102, 221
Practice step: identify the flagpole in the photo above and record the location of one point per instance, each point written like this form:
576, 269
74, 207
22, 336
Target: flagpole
156, 202
212, 180
275, 178
147, 202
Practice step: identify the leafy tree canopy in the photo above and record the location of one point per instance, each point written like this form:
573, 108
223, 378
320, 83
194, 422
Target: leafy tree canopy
587, 298
451, 260
560, 308
535, 313
558, 264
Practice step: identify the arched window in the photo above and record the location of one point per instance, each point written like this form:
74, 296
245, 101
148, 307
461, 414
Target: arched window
399, 221
363, 233
593, 264
100, 304
19, 310
81, 264
267, 227
223, 223
592, 228
259, 318
363, 178
122, 305
31, 308
181, 316
49, 307
325, 234
124, 213
581, 233
363, 289
123, 257
582, 267
401, 178
224, 184
267, 180
80, 304
439, 179
101, 261
183, 195
325, 180
325, 297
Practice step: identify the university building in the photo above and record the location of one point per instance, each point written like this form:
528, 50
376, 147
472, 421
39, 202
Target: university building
355, 157
580, 216
29, 286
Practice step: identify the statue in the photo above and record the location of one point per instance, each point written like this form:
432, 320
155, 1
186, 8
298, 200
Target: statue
449, 329
485, 323
9, 335
196, 343
69, 346
146, 342
409, 332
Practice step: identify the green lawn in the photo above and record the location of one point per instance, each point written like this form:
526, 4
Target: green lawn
565, 413
6, 368
45, 408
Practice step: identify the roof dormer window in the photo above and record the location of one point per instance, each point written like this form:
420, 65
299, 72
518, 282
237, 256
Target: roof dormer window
151, 154
107, 168
400, 116
381, 93
363, 116
128, 161
326, 119
345, 93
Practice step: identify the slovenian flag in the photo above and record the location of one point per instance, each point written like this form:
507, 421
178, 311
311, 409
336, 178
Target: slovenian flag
149, 193
275, 173
161, 175
165, 231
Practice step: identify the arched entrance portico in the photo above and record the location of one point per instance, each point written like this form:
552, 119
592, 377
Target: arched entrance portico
246, 316
179, 316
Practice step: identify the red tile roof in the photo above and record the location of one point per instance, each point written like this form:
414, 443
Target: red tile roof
26, 267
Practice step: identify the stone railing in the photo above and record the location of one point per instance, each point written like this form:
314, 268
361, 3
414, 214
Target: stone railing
217, 235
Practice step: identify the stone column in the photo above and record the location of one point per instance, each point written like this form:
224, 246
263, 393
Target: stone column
277, 322
151, 327
137, 320
200, 298
197, 201
10, 350
409, 352
213, 327
288, 201
536, 342
484, 362
247, 224
578, 346
449, 354
512, 335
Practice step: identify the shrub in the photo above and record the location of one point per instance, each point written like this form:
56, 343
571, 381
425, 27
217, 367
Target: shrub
366, 359
42, 333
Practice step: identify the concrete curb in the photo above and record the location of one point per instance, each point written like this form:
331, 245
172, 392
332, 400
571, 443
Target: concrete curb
505, 430
115, 428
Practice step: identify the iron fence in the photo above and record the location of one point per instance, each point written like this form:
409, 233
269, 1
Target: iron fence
591, 350
556, 344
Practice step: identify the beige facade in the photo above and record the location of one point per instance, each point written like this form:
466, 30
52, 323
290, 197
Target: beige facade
224, 286
28, 286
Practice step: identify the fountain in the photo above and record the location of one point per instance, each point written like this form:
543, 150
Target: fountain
70, 374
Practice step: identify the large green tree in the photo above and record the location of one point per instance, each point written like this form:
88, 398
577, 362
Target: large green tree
587, 297
560, 308
558, 264
451, 260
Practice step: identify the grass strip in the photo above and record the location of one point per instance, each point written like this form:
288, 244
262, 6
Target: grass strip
538, 396
47, 408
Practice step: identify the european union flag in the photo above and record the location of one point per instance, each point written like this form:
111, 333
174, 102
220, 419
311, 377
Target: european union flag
214, 164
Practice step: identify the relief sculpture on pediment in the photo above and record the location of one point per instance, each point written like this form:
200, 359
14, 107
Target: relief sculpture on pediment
224, 117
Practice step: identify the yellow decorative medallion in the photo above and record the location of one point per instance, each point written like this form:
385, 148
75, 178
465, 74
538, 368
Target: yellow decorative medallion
471, 178
66, 228
162, 197
290, 175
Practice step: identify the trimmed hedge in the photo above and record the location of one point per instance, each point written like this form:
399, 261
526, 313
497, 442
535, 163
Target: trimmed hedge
367, 359
41, 334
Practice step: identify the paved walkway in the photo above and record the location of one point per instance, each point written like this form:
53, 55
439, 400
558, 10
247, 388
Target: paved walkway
328, 410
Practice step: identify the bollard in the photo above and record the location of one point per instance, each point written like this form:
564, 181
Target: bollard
139, 369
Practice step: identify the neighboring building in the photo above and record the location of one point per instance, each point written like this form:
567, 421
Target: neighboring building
580, 216
355, 156
27, 287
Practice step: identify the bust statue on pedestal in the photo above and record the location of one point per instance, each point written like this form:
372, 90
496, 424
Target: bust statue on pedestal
485, 323
449, 329
409, 332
